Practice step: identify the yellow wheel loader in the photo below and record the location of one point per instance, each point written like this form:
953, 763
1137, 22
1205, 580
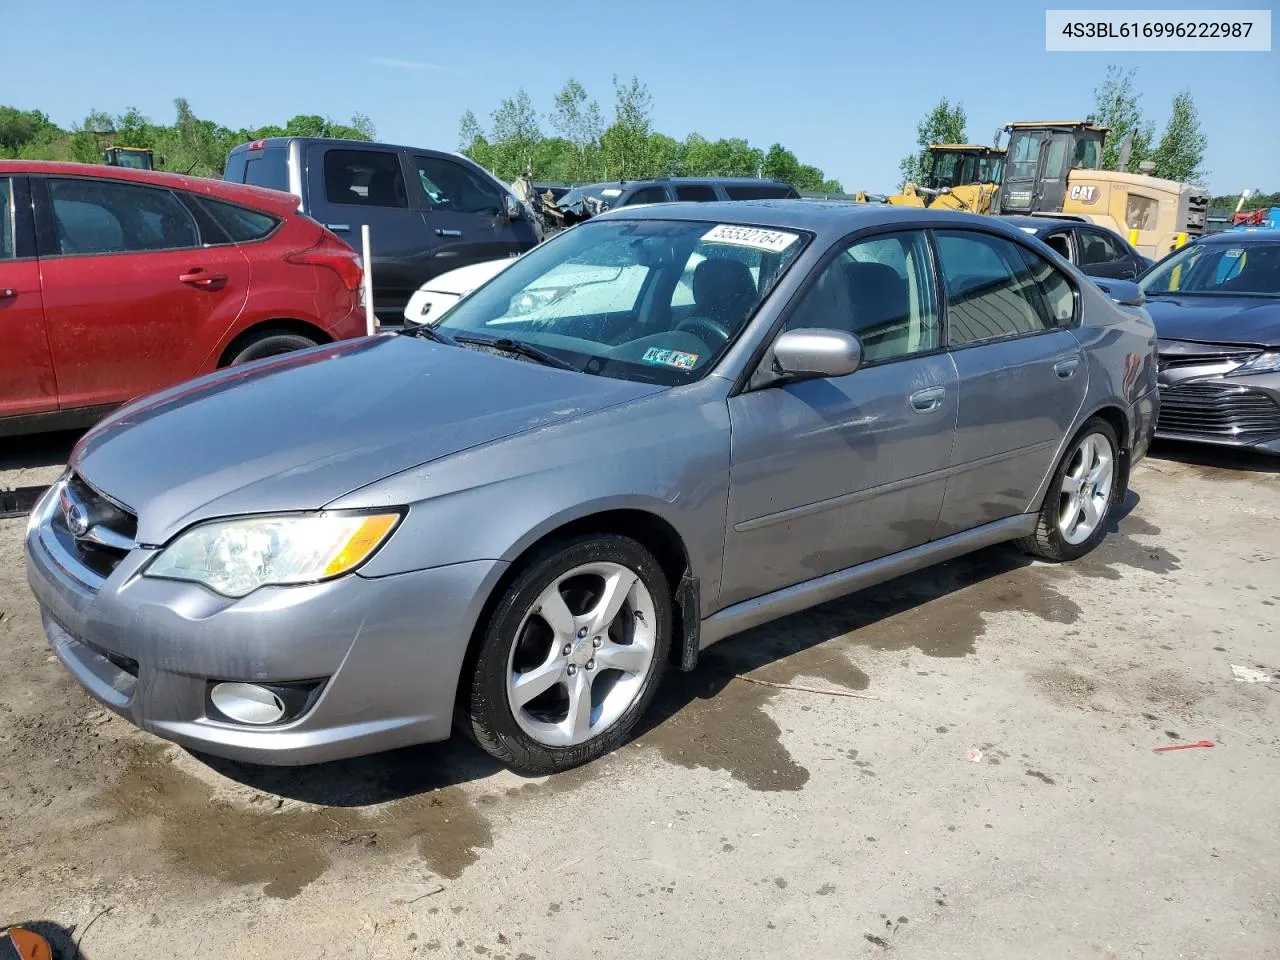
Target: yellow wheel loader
1051, 169
961, 176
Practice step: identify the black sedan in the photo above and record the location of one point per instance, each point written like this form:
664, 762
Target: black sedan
1216, 306
1097, 251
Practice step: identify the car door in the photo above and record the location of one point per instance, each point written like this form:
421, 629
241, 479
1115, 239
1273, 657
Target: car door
1009, 319
830, 473
133, 299
350, 186
1101, 255
465, 214
27, 383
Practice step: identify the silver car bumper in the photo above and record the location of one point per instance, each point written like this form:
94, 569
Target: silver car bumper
378, 659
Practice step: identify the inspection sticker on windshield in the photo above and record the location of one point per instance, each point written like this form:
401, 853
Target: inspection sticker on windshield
670, 358
775, 241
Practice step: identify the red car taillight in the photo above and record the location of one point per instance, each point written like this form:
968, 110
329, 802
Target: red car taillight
345, 262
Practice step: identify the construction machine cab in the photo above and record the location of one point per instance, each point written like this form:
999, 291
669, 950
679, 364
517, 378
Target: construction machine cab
136, 158
1039, 159
954, 164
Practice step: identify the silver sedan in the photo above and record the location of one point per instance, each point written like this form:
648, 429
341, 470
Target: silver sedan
513, 521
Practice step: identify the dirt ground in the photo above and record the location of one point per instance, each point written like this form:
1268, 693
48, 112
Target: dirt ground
747, 820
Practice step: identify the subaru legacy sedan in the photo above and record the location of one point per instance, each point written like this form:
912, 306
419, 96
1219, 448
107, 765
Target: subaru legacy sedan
513, 521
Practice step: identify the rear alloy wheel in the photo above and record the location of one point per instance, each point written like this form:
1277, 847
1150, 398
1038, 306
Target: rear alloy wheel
572, 655
271, 345
1081, 496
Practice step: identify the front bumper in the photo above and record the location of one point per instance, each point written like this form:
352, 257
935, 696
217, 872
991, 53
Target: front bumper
1233, 411
386, 652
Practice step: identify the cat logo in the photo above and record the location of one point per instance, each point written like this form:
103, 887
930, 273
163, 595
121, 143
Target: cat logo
1083, 194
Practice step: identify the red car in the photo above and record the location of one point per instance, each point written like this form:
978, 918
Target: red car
116, 282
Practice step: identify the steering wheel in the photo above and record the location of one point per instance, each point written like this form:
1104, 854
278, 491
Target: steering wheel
701, 326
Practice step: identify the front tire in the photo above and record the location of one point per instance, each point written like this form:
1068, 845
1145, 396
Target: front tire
1081, 498
571, 655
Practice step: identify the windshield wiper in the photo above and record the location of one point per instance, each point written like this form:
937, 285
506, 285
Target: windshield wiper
517, 348
428, 332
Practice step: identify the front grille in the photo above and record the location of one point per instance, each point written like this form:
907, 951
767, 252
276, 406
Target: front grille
107, 517
1219, 411
1172, 361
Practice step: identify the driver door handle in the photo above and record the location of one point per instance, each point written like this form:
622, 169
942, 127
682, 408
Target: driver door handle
448, 233
200, 277
928, 399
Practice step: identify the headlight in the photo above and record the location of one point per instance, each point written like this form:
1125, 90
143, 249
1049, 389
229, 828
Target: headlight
236, 557
1268, 362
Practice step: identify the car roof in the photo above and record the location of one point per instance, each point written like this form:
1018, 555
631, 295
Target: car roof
258, 197
829, 219
724, 181
1241, 236
1041, 224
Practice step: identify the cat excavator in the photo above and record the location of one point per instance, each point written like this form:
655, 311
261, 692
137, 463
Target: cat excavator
1052, 169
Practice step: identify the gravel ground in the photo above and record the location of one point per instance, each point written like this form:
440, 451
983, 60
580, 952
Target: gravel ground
748, 819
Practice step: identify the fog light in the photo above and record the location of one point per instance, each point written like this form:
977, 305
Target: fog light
247, 703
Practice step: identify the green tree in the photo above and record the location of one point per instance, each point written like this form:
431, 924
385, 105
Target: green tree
945, 123
1117, 105
781, 164
577, 119
624, 144
1181, 150
515, 135
19, 128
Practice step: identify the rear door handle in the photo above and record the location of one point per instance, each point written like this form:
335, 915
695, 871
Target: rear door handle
201, 278
928, 399
448, 233
8, 293
1066, 369
336, 227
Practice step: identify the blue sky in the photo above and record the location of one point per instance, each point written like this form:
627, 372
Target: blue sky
841, 83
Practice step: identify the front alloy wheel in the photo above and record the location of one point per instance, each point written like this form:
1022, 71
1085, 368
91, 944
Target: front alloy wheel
571, 655
582, 654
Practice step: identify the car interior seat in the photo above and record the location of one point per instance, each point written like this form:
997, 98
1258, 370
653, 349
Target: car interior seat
723, 290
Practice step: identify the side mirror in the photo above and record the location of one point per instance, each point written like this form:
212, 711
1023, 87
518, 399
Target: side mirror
809, 353
1124, 292
511, 208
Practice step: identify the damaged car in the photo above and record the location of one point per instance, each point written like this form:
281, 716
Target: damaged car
1216, 306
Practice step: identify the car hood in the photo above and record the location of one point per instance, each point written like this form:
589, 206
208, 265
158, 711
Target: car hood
1213, 319
299, 431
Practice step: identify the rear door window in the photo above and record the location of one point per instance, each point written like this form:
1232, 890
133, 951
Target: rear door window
647, 195
696, 192
102, 216
241, 224
6, 220
992, 293
367, 178
761, 192
264, 168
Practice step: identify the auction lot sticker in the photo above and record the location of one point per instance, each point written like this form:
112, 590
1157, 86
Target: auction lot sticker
774, 241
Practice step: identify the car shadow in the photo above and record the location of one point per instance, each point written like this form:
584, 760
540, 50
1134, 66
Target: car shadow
407, 772
1220, 458
38, 450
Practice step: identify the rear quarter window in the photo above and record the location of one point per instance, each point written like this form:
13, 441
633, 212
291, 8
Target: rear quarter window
240, 224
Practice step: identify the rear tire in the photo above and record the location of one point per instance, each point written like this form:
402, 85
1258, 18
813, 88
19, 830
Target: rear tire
1082, 495
270, 345
586, 623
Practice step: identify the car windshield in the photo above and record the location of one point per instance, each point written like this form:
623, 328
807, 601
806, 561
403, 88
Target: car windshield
656, 301
604, 192
1226, 269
